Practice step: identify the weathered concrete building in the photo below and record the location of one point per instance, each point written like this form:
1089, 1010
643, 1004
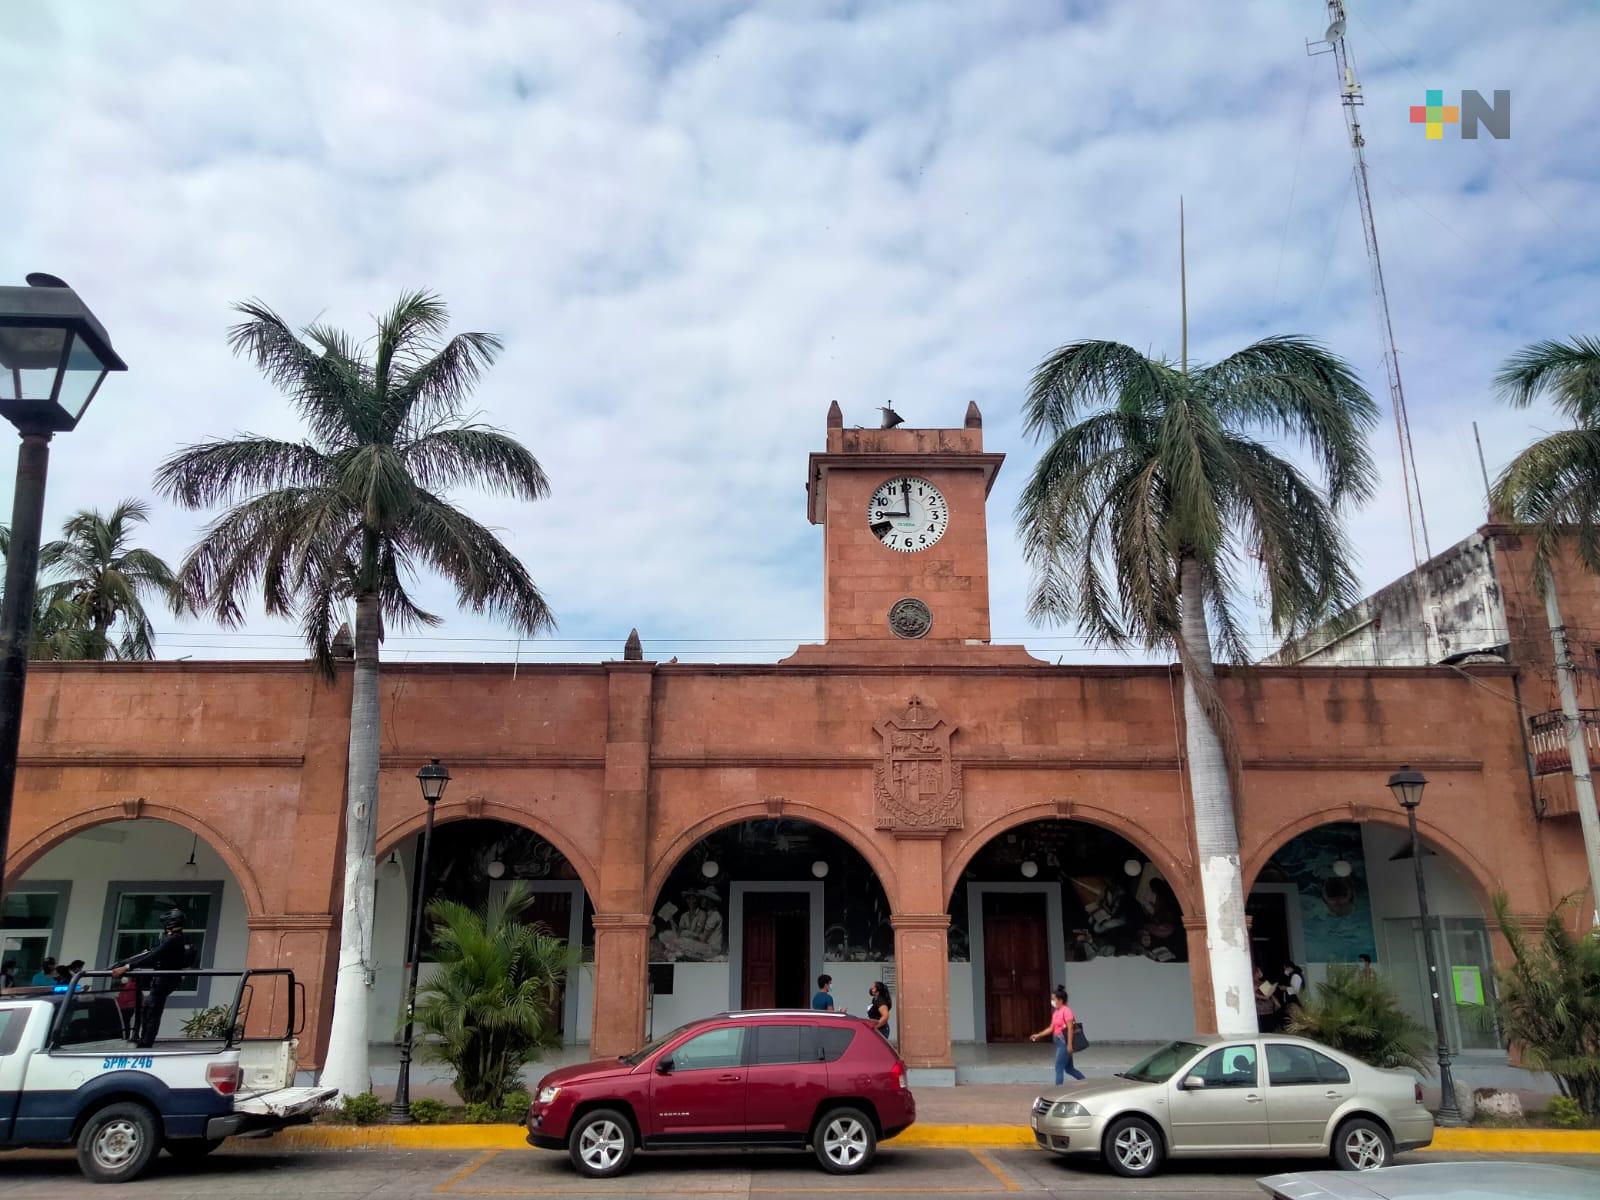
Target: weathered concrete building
905, 801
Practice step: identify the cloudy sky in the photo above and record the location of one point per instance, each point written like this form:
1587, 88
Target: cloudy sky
696, 223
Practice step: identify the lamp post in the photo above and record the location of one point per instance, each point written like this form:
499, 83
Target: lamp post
1407, 786
433, 779
53, 357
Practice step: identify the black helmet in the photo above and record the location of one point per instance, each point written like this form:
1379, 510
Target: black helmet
172, 919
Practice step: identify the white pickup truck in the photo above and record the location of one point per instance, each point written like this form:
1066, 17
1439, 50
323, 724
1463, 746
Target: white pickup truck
69, 1076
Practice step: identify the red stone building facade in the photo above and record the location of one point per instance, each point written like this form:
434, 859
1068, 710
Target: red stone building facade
981, 804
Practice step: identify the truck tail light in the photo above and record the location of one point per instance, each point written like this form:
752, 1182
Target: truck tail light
898, 1071
1416, 1093
223, 1078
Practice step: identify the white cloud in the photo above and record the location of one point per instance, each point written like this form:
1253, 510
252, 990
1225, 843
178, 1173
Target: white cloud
696, 225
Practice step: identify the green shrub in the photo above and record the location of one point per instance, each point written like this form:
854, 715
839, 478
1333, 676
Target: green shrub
1565, 1111
493, 1003
1549, 1003
207, 1024
363, 1109
1357, 1012
514, 1109
429, 1112
481, 1113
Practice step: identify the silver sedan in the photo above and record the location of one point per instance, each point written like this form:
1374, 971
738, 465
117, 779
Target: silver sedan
1215, 1097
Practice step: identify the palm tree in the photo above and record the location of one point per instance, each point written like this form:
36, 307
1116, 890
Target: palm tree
93, 570
495, 1001
59, 631
350, 515
1152, 489
1554, 487
1358, 1012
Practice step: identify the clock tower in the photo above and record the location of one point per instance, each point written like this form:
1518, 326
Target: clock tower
905, 543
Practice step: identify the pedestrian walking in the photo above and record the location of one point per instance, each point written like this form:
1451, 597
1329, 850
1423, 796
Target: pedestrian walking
880, 1007
1267, 1002
172, 953
1060, 1030
823, 1000
1294, 981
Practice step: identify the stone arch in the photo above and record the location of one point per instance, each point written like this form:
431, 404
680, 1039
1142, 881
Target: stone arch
1176, 873
25, 855
489, 810
1477, 874
758, 811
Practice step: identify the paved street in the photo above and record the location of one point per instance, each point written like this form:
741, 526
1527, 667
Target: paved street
251, 1172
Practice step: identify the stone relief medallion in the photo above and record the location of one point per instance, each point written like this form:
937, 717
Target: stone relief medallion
910, 618
916, 788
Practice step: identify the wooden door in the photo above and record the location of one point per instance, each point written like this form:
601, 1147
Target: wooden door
760, 984
1016, 966
552, 911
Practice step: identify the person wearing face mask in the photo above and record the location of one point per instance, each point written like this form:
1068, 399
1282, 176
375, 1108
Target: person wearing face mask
1060, 1032
879, 1008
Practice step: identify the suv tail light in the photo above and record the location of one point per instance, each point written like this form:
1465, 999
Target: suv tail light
223, 1078
1416, 1093
898, 1071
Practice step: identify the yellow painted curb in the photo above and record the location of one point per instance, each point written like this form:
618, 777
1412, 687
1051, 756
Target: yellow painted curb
1517, 1141
511, 1137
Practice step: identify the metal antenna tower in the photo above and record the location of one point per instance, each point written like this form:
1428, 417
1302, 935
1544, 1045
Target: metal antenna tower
1350, 95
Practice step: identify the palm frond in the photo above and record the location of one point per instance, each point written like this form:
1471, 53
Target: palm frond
476, 455
1568, 373
487, 576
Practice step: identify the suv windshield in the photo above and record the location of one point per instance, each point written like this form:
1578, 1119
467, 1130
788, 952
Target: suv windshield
649, 1048
1163, 1064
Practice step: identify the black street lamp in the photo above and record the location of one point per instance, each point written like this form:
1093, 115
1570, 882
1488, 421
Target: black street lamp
53, 357
433, 778
1407, 786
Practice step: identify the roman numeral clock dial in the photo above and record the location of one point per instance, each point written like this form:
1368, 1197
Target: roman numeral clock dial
908, 514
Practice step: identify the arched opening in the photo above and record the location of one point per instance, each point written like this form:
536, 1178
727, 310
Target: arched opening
470, 861
97, 895
1057, 901
753, 912
1343, 891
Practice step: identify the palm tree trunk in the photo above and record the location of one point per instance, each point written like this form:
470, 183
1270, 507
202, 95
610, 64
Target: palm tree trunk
347, 1066
1216, 832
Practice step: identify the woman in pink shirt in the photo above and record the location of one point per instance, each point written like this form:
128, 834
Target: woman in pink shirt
1060, 1032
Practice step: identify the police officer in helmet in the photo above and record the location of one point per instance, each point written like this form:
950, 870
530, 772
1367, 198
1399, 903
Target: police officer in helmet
172, 953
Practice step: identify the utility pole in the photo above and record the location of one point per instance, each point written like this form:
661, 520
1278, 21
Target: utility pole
1577, 746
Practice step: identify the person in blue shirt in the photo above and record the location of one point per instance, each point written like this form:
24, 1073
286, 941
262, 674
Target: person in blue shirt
46, 975
823, 1000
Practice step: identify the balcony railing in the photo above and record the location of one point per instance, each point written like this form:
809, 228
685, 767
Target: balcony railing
1547, 738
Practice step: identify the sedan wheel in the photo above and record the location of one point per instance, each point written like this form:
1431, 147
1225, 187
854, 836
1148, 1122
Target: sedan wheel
1362, 1145
1133, 1147
845, 1142
602, 1144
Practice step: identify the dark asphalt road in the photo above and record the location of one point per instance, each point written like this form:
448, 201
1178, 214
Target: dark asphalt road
246, 1173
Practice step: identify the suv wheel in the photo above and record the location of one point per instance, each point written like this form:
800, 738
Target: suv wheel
117, 1143
1362, 1145
601, 1143
845, 1141
1133, 1147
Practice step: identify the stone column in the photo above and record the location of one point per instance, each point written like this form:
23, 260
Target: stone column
1205, 1013
300, 942
621, 942
922, 953
922, 1001
621, 928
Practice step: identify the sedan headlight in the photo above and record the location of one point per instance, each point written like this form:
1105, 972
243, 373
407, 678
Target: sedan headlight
547, 1094
1069, 1108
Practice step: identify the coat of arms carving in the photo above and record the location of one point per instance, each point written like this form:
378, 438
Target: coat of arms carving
916, 788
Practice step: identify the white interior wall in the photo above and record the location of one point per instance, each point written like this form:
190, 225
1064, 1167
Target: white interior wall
1128, 999
961, 1026
131, 851
698, 990
1394, 884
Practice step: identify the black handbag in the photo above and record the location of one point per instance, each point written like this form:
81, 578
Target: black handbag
1080, 1040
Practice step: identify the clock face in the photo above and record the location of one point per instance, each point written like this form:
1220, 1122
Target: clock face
908, 514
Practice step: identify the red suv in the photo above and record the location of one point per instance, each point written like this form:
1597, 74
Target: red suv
751, 1080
